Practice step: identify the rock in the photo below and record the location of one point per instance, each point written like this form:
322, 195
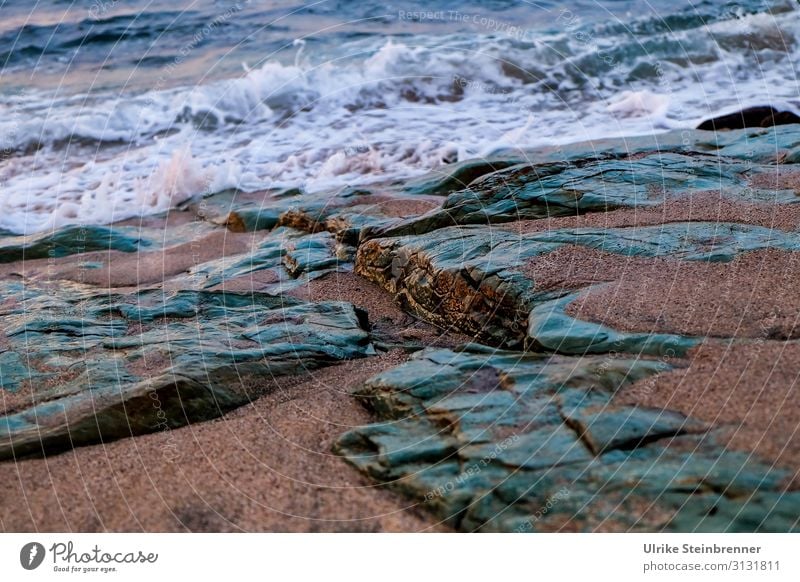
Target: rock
551, 329
70, 241
289, 258
493, 440
342, 213
454, 177
541, 438
762, 116
550, 189
103, 367
472, 277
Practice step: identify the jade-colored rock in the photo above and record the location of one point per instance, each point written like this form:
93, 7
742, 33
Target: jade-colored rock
493, 440
102, 367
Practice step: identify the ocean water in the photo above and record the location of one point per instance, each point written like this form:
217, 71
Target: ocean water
111, 109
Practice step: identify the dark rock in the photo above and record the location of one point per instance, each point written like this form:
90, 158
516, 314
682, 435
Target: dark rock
763, 116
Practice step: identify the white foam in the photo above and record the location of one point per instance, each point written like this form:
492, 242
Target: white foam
639, 104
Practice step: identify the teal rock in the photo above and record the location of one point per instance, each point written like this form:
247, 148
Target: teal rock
293, 257
491, 440
343, 213
71, 241
121, 365
454, 177
472, 277
550, 328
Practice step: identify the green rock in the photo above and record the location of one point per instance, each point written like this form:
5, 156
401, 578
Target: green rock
471, 277
550, 328
493, 440
70, 241
454, 177
293, 256
603, 175
129, 364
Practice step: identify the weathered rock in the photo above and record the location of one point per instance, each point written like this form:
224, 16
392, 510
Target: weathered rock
101, 367
472, 277
291, 258
70, 241
551, 329
503, 441
343, 213
548, 189
454, 177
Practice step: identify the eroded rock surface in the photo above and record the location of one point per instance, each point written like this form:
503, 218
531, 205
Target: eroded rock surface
474, 276
100, 367
503, 441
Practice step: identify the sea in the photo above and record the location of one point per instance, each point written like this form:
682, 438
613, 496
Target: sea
113, 109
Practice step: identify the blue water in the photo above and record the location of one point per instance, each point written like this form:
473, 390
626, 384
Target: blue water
110, 109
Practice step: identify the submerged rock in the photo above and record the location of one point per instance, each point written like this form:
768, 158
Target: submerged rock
502, 441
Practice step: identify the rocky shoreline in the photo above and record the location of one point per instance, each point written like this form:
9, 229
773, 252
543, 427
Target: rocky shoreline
597, 337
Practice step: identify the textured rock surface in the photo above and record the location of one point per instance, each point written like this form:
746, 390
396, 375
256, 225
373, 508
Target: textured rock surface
83, 239
344, 214
290, 257
106, 366
531, 191
501, 441
472, 275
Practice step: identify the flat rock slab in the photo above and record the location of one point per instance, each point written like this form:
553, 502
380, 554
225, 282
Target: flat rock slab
473, 277
343, 213
541, 190
73, 240
283, 259
502, 441
84, 368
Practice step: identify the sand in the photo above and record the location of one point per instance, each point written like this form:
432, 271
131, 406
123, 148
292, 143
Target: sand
129, 270
267, 466
754, 296
748, 389
264, 467
697, 207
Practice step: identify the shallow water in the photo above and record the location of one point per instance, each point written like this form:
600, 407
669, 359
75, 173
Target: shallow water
113, 109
